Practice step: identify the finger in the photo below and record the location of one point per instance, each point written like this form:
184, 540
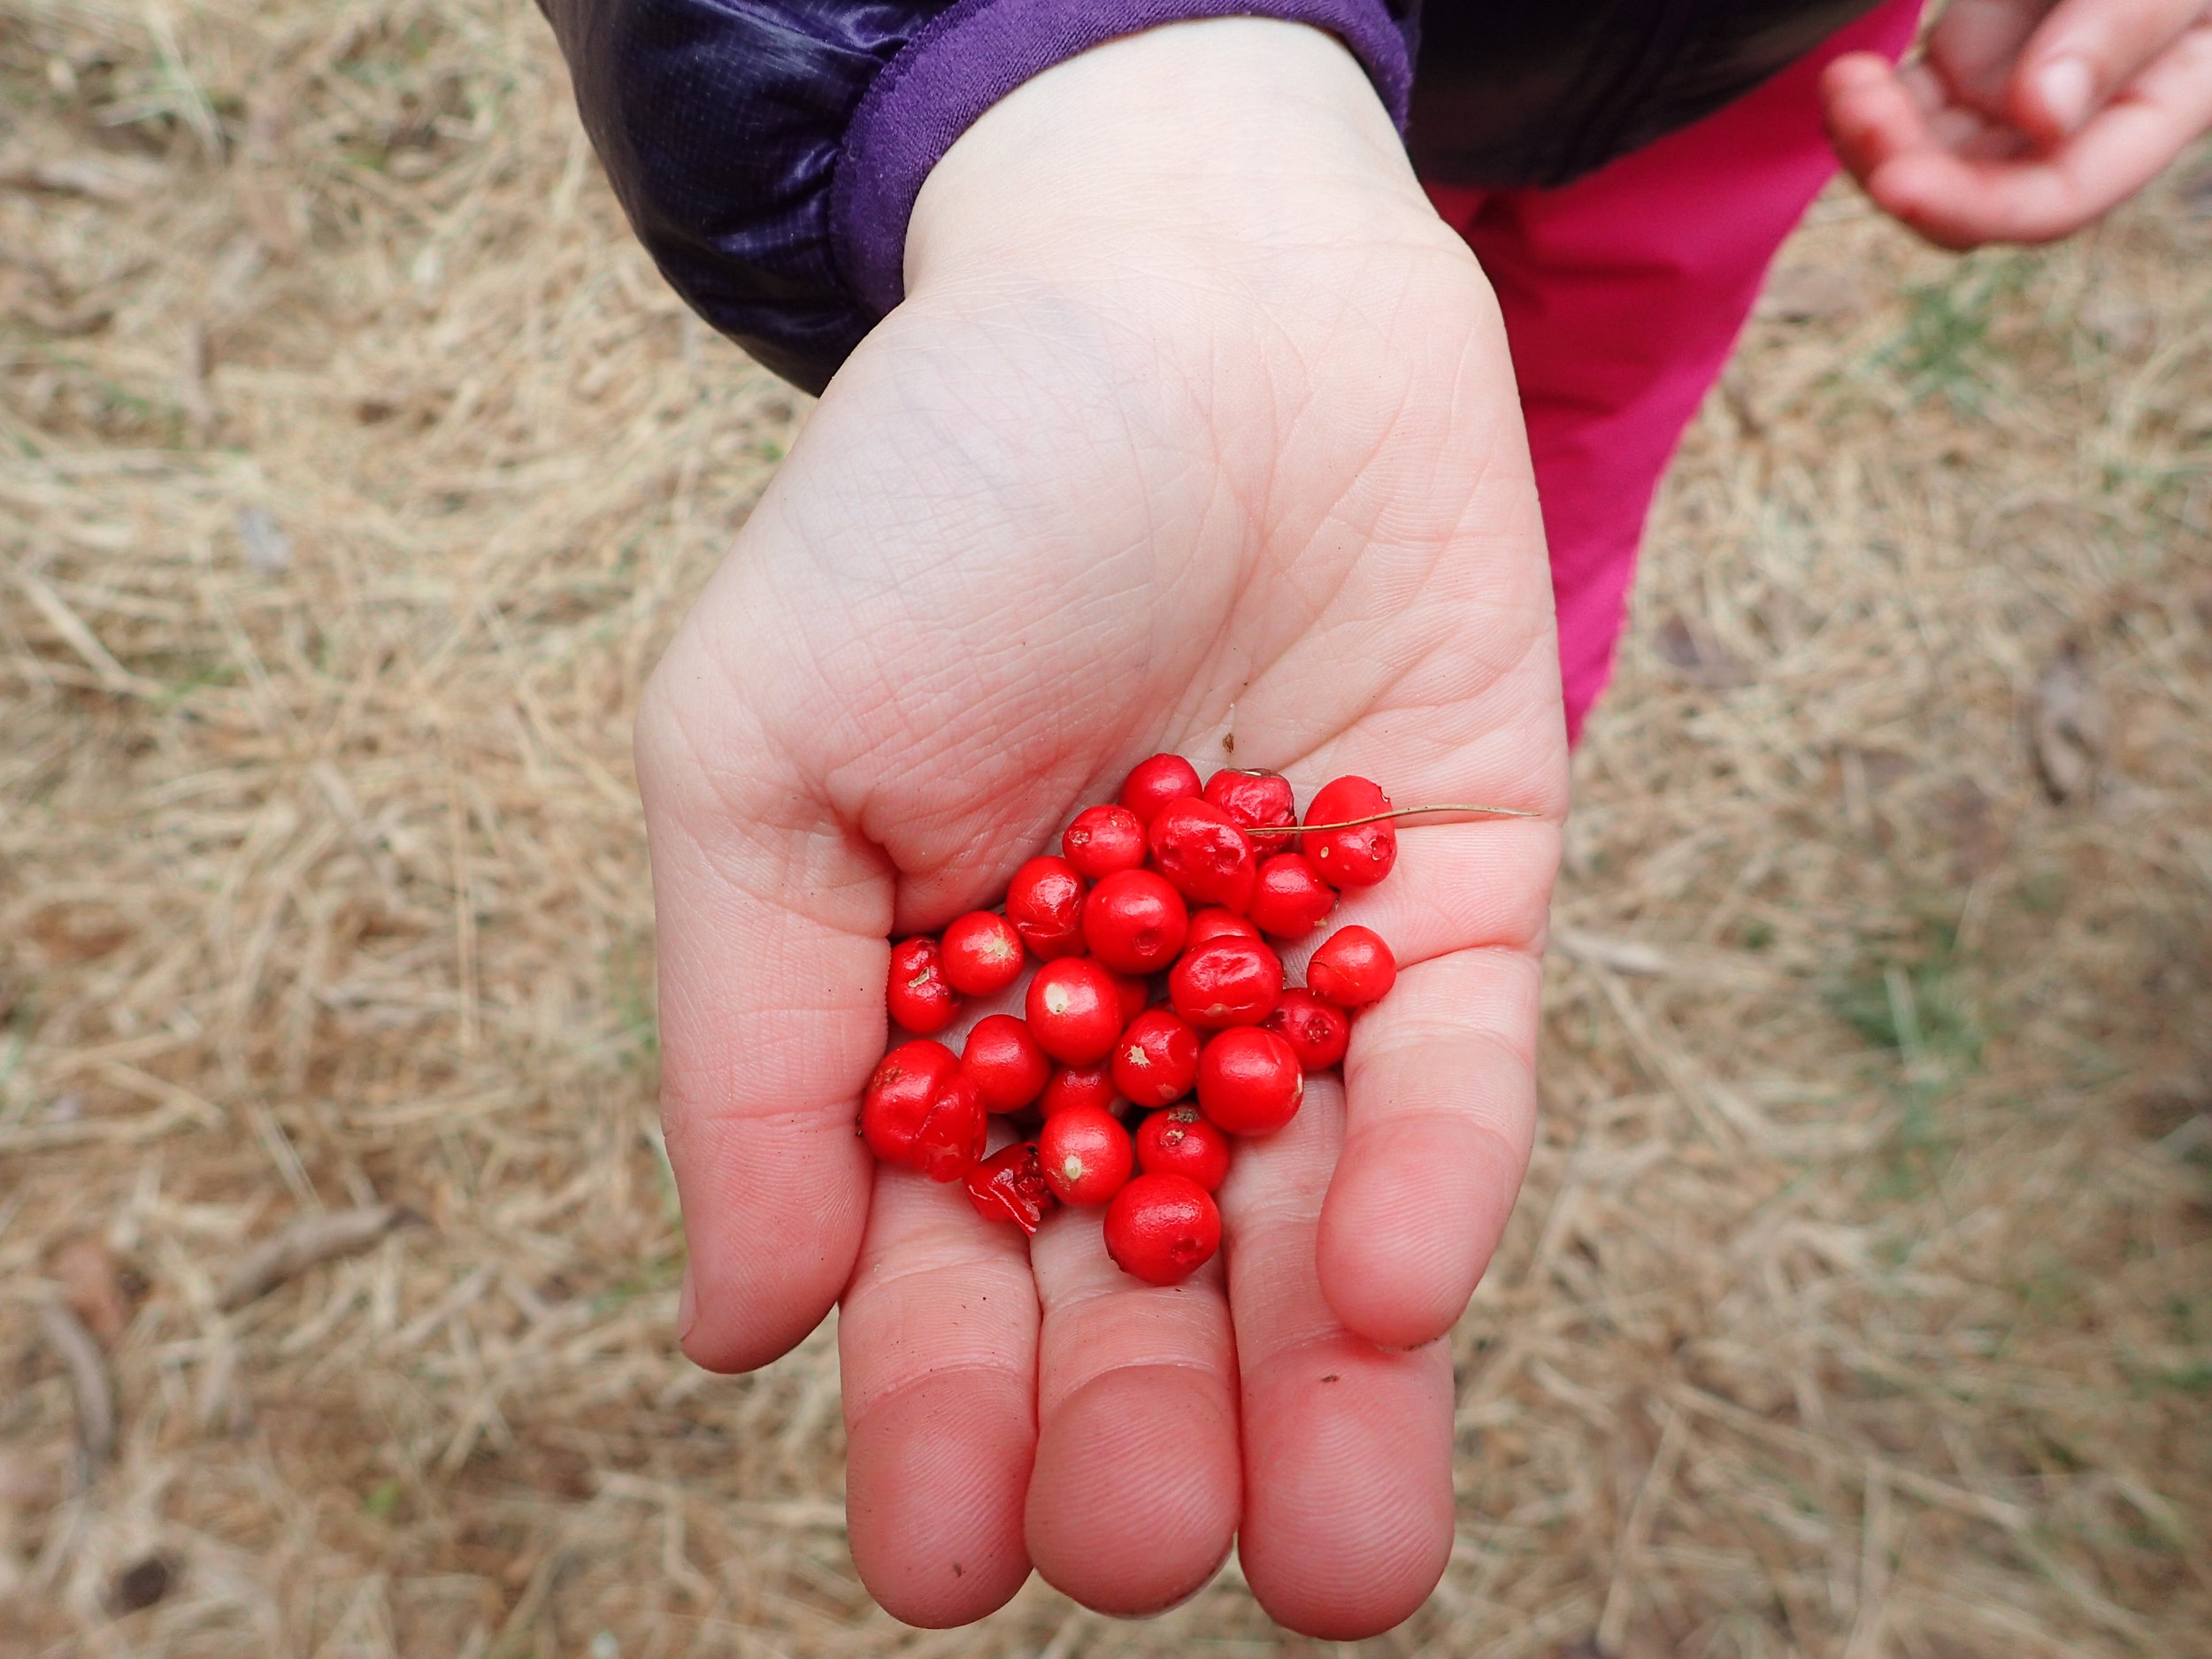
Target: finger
1441, 1086
1454, 887
1133, 1501
937, 1348
2085, 52
1348, 1447
1962, 203
1872, 114
772, 954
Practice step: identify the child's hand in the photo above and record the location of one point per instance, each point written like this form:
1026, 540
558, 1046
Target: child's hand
2025, 121
1196, 422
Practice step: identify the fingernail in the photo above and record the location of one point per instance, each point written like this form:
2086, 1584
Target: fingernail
2067, 87
687, 1306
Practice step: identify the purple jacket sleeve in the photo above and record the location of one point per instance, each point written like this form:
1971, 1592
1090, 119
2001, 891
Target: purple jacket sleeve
768, 152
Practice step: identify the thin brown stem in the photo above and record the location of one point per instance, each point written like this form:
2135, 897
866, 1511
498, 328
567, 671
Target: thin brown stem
1399, 811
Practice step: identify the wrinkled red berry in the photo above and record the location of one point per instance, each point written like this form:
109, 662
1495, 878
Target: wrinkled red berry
1134, 922
1318, 1032
1074, 1009
1227, 982
921, 1113
1179, 1140
1008, 1068
1151, 784
1356, 857
1155, 1060
1353, 968
1162, 1229
1085, 1154
1291, 899
918, 995
1250, 1082
1212, 922
1044, 901
982, 953
1257, 802
1072, 1086
1102, 840
1205, 854
1009, 1185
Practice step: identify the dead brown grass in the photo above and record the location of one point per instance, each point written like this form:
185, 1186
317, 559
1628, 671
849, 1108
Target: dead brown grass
353, 464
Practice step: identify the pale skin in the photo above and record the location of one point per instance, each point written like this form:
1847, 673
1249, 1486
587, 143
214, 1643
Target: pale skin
1156, 455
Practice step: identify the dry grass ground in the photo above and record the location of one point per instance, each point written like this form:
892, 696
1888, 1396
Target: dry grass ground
353, 464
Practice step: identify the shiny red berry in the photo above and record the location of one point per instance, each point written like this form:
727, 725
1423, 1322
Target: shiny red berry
1162, 1228
1044, 901
921, 1113
1226, 981
1356, 857
1102, 840
1213, 923
1085, 1154
982, 954
1155, 1060
918, 995
1009, 1185
1136, 994
1205, 854
1258, 802
1134, 922
1151, 784
1072, 1086
1074, 1009
1250, 1082
1291, 899
1008, 1068
1317, 1032
1353, 968
1179, 1140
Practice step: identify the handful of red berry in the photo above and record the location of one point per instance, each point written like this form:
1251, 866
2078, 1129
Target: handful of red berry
1159, 983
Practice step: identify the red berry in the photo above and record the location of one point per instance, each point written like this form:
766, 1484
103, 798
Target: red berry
1179, 1140
1291, 900
1072, 1086
921, 1113
1136, 994
1357, 857
1353, 968
1151, 784
1203, 853
918, 996
1317, 1034
1134, 922
1155, 1060
1009, 1185
1044, 901
1250, 1082
1257, 802
1163, 1228
982, 953
1102, 840
1212, 922
1227, 982
1085, 1154
1074, 1009
1008, 1068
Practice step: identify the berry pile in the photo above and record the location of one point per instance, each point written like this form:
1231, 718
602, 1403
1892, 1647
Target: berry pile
1158, 984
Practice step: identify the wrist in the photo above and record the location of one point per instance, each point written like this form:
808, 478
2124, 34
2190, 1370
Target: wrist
1241, 135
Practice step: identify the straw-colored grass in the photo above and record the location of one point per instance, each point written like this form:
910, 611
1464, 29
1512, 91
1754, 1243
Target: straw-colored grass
353, 466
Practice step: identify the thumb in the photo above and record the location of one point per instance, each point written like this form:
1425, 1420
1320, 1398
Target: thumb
2086, 53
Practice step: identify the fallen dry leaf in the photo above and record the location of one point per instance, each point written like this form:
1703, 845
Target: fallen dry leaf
1698, 659
2068, 727
309, 1240
93, 1284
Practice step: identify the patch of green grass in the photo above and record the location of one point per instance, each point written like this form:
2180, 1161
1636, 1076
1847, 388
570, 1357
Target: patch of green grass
1912, 1007
383, 1502
1945, 347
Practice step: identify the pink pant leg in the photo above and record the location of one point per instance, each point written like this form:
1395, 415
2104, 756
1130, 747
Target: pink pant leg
1622, 295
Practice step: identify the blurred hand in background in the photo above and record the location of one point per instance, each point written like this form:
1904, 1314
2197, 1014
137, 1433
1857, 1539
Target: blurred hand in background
2025, 121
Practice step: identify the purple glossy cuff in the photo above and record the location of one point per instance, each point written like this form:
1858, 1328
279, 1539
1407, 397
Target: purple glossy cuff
972, 55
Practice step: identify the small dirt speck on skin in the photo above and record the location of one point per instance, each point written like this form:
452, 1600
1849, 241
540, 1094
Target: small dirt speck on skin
1330, 1377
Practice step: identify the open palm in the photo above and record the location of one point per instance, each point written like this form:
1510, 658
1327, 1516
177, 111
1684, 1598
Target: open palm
1263, 501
